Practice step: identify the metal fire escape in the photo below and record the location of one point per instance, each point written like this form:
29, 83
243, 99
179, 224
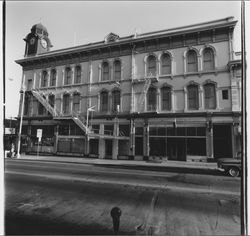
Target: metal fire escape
80, 121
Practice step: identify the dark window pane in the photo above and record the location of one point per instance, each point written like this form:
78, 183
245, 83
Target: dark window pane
181, 131
191, 131
170, 131
201, 131
139, 130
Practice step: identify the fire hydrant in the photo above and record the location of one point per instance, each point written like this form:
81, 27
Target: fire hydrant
115, 214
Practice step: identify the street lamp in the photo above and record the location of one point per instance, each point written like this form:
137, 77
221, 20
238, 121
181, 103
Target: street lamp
89, 109
21, 119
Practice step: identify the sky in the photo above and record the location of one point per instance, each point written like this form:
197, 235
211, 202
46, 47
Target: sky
72, 23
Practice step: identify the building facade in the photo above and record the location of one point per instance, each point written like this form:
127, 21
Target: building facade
173, 93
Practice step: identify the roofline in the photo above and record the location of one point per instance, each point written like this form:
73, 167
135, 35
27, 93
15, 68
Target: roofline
169, 32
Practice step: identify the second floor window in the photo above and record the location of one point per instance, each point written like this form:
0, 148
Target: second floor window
165, 64
117, 70
208, 59
68, 75
193, 97
53, 78
78, 75
66, 103
105, 71
41, 108
76, 102
104, 101
166, 98
116, 100
44, 82
192, 63
210, 96
152, 99
151, 65
52, 100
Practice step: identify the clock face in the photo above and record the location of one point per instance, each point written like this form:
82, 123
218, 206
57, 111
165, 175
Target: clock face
44, 43
32, 41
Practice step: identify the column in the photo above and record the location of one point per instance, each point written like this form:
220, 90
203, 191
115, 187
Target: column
172, 100
132, 140
158, 108
217, 98
201, 98
146, 141
209, 139
56, 132
101, 143
34, 80
185, 99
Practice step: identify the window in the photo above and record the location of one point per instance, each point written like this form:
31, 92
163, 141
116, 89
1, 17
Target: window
193, 100
68, 74
152, 101
117, 70
78, 75
104, 101
116, 100
44, 82
29, 84
105, 71
166, 98
192, 65
66, 103
52, 100
41, 108
151, 65
208, 59
225, 94
26, 105
165, 64
76, 102
53, 78
210, 96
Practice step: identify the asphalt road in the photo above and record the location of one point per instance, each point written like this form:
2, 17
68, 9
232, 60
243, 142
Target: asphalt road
65, 198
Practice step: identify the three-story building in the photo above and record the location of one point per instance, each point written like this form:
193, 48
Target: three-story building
173, 93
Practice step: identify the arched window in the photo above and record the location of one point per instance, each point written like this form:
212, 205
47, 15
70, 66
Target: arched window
208, 59
152, 100
151, 65
192, 62
44, 82
52, 100
193, 97
53, 78
76, 102
116, 100
117, 70
166, 98
66, 103
105, 71
210, 96
165, 64
104, 101
78, 71
68, 74
41, 108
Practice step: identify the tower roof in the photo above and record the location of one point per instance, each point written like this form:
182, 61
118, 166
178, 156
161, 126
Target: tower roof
39, 29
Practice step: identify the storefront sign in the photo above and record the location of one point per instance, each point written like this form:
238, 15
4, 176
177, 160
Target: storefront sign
39, 134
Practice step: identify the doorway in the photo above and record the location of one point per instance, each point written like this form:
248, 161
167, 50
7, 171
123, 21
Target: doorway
108, 148
176, 149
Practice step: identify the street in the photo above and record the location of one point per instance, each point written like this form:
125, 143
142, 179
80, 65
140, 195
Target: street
69, 198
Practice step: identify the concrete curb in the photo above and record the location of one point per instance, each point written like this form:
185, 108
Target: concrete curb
126, 163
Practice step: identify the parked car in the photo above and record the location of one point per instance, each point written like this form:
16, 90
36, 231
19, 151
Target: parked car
232, 166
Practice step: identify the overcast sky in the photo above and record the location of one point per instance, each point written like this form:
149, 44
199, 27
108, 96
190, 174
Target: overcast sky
75, 23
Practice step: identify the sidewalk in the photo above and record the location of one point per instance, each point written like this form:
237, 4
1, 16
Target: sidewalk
127, 163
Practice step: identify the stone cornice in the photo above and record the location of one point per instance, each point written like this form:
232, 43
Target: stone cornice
85, 52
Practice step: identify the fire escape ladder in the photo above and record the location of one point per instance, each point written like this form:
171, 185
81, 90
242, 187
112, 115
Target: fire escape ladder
80, 121
44, 102
142, 96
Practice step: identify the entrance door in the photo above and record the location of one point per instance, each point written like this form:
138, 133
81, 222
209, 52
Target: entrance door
222, 141
176, 149
108, 148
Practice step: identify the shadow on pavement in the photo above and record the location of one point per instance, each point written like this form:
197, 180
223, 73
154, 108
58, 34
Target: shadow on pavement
19, 224
174, 169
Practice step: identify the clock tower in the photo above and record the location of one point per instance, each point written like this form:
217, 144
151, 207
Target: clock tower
37, 41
